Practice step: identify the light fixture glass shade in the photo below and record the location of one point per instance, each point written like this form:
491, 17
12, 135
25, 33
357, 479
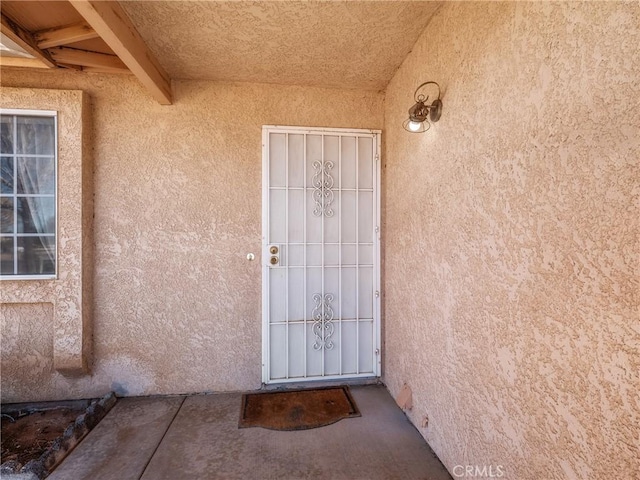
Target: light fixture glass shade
416, 127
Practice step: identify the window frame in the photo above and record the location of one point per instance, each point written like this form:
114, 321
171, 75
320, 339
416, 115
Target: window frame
40, 113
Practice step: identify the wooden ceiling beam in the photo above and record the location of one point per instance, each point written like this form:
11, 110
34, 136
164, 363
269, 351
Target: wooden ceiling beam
120, 71
76, 68
79, 68
25, 40
72, 56
111, 22
21, 62
54, 37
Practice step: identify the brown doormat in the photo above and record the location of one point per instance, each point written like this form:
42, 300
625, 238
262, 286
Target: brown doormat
297, 409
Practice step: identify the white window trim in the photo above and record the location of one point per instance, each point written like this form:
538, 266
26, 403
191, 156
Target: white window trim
40, 113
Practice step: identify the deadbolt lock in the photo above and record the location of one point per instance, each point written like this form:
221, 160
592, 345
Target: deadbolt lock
274, 251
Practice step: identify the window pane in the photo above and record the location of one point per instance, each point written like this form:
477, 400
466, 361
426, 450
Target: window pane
27, 201
6, 134
6, 215
36, 215
36, 135
6, 255
36, 255
6, 175
36, 175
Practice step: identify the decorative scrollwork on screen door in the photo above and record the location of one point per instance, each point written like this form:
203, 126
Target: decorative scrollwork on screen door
322, 188
323, 321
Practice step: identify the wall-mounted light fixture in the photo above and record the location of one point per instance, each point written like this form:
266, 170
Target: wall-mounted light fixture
421, 112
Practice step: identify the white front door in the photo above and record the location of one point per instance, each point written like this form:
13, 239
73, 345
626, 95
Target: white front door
320, 254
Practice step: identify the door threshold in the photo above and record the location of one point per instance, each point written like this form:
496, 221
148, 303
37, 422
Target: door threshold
352, 382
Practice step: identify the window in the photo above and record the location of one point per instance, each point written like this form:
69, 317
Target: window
28, 194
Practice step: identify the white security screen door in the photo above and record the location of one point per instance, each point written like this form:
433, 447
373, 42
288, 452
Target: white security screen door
320, 254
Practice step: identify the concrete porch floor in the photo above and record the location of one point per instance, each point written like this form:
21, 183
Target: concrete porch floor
197, 437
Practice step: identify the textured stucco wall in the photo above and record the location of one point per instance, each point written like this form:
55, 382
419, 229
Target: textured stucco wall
26, 356
512, 239
177, 208
70, 292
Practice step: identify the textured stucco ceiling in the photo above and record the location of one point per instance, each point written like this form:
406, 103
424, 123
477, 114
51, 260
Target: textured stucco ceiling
346, 44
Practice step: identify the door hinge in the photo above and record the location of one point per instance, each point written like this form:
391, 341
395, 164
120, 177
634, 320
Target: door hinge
377, 229
377, 293
377, 157
377, 351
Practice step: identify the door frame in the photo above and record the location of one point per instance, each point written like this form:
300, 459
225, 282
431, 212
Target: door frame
376, 135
